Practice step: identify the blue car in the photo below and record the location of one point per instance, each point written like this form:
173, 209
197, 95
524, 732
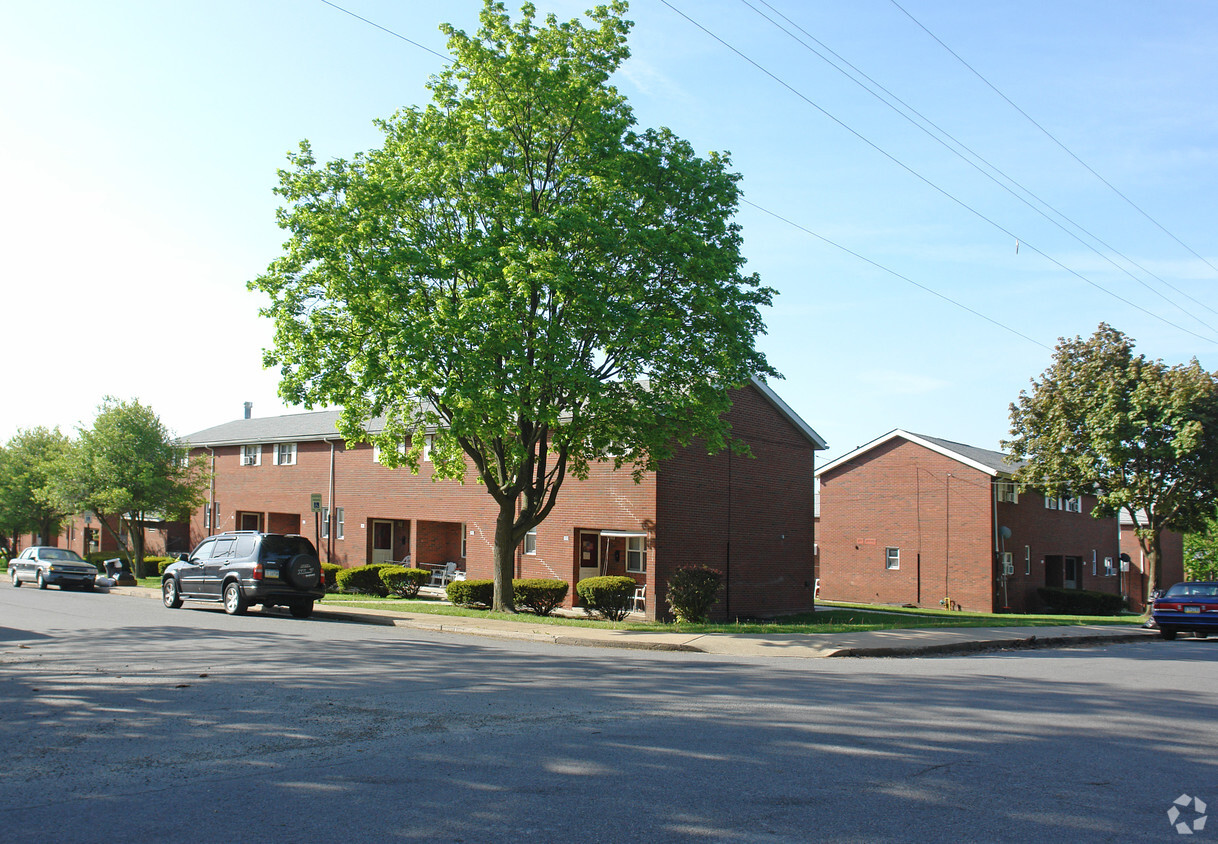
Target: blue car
1187, 607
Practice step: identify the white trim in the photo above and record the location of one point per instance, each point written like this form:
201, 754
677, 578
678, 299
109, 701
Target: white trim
913, 438
621, 534
785, 409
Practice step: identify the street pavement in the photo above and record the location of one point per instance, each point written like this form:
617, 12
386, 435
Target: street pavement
928, 642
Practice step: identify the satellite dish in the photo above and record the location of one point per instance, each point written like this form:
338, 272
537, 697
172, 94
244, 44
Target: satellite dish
1004, 532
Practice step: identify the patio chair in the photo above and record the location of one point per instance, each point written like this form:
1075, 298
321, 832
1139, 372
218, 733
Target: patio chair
442, 574
639, 602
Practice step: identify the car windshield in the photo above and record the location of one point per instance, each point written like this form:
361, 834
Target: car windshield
1193, 590
60, 554
280, 549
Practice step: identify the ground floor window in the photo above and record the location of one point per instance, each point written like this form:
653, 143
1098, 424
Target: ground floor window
339, 522
892, 558
325, 522
636, 554
530, 542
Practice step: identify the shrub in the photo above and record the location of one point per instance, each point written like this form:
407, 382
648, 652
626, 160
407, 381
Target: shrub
608, 597
471, 593
539, 596
692, 592
362, 580
404, 582
1080, 601
329, 574
161, 563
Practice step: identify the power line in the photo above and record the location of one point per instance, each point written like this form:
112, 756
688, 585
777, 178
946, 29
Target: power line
1051, 137
946, 194
978, 157
447, 59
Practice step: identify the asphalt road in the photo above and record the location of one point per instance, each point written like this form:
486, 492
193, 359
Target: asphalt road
124, 721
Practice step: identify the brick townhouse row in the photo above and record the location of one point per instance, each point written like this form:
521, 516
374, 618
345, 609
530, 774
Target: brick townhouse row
912, 519
750, 517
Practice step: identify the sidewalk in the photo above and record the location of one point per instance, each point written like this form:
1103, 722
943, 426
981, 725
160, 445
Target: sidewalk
798, 645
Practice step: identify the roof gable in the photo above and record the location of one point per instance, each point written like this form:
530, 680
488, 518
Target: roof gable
993, 463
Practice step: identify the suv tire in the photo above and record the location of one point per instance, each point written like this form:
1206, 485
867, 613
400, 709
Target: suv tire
234, 601
301, 609
169, 594
304, 571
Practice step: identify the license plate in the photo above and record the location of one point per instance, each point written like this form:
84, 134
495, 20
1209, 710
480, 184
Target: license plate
272, 572
1192, 609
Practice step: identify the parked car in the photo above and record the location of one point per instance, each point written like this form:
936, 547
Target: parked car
243, 568
49, 566
1187, 607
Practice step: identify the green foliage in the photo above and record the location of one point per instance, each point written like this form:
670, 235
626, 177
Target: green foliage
159, 563
608, 597
1081, 601
1140, 435
362, 580
471, 593
692, 592
402, 581
329, 573
30, 466
520, 270
1201, 552
539, 596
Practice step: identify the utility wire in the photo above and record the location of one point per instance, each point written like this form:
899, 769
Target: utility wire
1051, 137
447, 59
931, 184
978, 157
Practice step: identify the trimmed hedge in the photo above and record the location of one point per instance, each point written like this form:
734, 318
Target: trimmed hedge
402, 581
329, 574
692, 592
1080, 601
539, 596
471, 593
362, 580
608, 596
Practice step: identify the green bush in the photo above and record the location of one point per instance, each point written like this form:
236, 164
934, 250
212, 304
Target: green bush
362, 580
161, 563
471, 593
539, 596
1080, 601
608, 597
692, 592
404, 582
329, 573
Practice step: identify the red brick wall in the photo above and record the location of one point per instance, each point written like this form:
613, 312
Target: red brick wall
750, 518
1171, 564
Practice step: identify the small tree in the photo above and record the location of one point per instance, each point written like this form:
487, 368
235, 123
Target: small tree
129, 468
692, 592
1141, 435
520, 272
29, 470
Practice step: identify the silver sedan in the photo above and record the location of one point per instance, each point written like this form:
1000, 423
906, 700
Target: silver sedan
45, 566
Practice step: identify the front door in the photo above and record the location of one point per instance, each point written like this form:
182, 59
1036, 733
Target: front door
589, 554
1070, 572
382, 541
251, 521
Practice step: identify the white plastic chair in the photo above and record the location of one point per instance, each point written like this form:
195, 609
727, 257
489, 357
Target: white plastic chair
441, 575
639, 602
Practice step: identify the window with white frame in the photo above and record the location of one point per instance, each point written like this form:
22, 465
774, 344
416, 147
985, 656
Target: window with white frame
1008, 563
1051, 502
464, 541
339, 523
285, 454
892, 558
251, 455
636, 554
1073, 504
530, 542
1027, 559
376, 452
207, 516
427, 443
1007, 492
325, 522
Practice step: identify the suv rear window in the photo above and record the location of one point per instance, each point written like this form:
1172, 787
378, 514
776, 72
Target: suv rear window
280, 549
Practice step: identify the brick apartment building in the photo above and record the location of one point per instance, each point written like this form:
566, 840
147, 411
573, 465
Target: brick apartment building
911, 519
750, 518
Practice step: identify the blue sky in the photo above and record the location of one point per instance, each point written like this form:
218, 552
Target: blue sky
139, 143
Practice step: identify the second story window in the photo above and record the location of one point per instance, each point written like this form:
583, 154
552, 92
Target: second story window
251, 455
285, 454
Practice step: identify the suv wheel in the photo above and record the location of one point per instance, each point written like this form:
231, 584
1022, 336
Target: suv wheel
301, 609
304, 571
169, 594
234, 601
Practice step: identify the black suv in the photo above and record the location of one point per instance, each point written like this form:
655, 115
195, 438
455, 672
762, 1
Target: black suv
247, 567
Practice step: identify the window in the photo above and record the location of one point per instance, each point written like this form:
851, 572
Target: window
251, 455
530, 542
285, 454
340, 523
1109, 568
427, 442
1073, 505
636, 554
1008, 564
464, 542
1051, 503
325, 522
1007, 493
1027, 559
376, 452
892, 558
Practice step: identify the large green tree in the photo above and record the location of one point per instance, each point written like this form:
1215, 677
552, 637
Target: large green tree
128, 468
28, 476
1141, 435
1201, 551
520, 270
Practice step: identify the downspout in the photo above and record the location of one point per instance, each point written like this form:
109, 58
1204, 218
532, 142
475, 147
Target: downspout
211, 494
330, 505
727, 566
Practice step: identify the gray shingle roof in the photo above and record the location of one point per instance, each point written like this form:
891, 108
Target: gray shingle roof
995, 460
992, 462
295, 427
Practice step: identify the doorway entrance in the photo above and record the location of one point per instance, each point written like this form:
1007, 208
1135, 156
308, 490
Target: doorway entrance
382, 541
589, 550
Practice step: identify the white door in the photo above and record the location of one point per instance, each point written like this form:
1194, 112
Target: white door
382, 541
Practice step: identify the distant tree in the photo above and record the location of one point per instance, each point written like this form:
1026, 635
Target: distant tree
520, 269
1201, 551
1141, 435
28, 469
129, 469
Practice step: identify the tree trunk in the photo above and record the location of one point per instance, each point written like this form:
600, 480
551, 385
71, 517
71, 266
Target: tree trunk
135, 530
505, 558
